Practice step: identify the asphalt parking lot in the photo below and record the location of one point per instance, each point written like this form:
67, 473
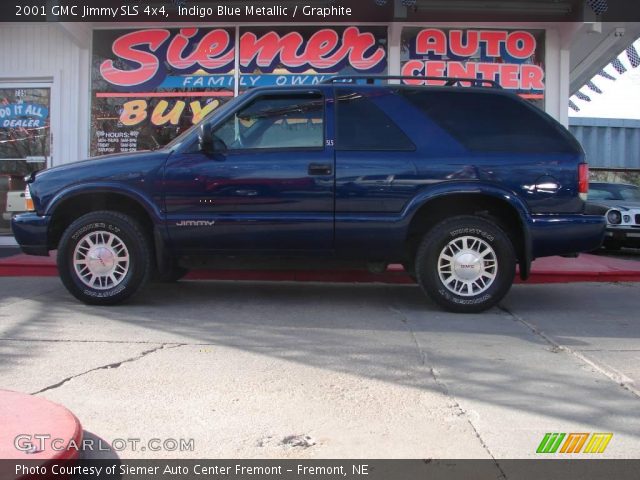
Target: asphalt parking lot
284, 370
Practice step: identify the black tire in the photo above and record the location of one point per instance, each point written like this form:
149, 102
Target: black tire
435, 242
129, 281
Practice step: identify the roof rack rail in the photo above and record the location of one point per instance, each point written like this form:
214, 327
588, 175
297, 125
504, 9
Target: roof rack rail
450, 81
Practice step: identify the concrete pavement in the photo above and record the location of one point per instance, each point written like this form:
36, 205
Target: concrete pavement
259, 370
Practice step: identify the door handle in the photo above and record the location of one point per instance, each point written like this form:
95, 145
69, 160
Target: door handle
320, 169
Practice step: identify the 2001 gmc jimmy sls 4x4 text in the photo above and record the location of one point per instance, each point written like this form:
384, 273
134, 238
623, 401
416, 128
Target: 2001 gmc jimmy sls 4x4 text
457, 184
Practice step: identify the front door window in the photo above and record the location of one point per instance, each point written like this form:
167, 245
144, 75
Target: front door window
276, 122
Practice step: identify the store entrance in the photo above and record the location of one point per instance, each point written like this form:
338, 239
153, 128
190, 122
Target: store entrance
25, 142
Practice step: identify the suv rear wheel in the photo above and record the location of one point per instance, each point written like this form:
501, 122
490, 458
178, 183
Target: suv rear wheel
104, 258
466, 264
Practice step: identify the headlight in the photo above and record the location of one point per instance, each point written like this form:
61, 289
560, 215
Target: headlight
614, 217
28, 201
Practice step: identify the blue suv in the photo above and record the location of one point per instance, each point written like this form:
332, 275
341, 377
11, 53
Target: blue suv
459, 185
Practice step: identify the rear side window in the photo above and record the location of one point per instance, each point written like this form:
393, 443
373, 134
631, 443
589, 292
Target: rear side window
361, 125
491, 123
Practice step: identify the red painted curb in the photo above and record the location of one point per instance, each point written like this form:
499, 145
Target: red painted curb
24, 417
586, 268
539, 278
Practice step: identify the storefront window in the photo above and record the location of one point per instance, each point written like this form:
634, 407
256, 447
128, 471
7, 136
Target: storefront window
150, 85
24, 144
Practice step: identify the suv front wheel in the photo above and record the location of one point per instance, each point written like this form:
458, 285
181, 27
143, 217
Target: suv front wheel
104, 258
466, 264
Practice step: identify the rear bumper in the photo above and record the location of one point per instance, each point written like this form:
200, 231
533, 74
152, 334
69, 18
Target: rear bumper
565, 234
30, 231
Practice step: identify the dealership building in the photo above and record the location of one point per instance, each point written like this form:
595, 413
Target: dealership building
69, 90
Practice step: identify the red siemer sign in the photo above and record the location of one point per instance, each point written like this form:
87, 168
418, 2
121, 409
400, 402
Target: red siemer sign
324, 50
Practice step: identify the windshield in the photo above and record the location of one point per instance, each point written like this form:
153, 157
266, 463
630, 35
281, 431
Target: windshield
630, 193
614, 191
180, 139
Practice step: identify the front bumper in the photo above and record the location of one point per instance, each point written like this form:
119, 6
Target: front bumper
622, 236
565, 234
30, 231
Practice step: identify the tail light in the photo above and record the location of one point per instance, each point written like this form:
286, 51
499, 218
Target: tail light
28, 201
583, 180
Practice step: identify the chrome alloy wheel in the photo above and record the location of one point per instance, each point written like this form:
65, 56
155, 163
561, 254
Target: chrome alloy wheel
101, 260
467, 266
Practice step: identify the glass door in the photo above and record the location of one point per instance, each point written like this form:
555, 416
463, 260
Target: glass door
25, 142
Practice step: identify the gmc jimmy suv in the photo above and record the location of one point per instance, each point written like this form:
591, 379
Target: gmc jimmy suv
459, 185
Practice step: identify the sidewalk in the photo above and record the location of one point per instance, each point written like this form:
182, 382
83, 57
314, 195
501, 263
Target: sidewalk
7, 241
585, 268
361, 371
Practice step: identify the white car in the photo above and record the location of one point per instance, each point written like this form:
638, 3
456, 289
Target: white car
620, 204
15, 204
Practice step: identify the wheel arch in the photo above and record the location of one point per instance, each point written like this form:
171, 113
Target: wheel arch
492, 203
72, 204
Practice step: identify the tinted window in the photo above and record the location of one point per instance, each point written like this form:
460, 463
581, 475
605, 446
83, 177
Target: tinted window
596, 193
613, 191
361, 125
492, 123
630, 193
276, 121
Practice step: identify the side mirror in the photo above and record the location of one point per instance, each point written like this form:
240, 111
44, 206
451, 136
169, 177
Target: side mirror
205, 138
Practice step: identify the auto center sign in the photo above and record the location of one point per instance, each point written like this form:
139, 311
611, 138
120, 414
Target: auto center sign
513, 58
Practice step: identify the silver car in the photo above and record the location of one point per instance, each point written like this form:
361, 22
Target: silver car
620, 204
